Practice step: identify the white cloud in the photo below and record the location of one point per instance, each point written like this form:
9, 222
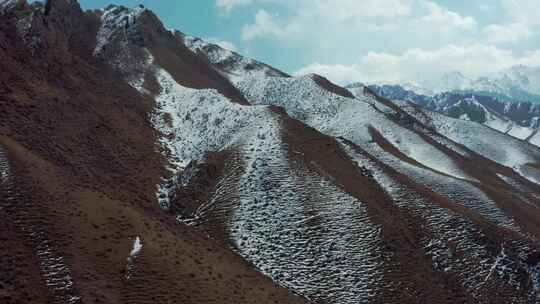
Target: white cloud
346, 9
523, 11
264, 24
228, 5
513, 32
341, 9
399, 39
446, 19
326, 20
222, 43
475, 60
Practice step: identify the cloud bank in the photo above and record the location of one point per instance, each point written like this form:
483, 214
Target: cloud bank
395, 40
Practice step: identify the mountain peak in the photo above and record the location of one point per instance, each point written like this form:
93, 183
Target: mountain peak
115, 19
231, 64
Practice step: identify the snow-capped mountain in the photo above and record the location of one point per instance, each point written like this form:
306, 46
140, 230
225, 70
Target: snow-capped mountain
141, 165
517, 78
451, 81
521, 83
518, 119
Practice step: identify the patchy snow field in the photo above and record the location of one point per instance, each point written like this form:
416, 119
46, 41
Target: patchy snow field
344, 117
286, 219
485, 141
301, 230
351, 119
235, 66
54, 268
455, 244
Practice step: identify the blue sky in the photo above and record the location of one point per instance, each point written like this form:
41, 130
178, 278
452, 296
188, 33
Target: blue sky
363, 40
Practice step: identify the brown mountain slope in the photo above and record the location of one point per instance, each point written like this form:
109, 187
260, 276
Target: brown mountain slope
269, 185
79, 148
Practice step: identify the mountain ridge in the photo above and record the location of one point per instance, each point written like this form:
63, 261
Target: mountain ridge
518, 119
153, 176
517, 83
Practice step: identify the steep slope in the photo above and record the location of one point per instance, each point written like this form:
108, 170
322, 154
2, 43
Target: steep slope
230, 63
247, 156
434, 183
365, 124
245, 163
79, 168
272, 189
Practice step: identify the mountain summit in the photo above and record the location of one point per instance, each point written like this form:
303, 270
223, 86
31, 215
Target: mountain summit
142, 165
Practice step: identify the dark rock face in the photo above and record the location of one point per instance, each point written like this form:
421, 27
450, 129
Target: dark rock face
48, 6
194, 186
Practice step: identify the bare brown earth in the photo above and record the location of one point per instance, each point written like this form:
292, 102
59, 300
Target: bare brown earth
84, 168
94, 233
329, 86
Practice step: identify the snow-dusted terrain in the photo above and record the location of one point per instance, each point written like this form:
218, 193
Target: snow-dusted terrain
274, 224
515, 118
518, 82
7, 4
55, 270
291, 187
451, 241
484, 141
300, 227
344, 117
288, 225
233, 65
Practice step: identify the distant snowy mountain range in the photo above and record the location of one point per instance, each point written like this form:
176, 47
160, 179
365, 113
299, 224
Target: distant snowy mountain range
508, 102
517, 83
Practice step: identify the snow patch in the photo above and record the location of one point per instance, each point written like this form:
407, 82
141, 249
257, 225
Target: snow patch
464, 116
137, 246
133, 254
55, 270
6, 5
4, 166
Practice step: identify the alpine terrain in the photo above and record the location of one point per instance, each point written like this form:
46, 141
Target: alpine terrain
142, 165
507, 102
